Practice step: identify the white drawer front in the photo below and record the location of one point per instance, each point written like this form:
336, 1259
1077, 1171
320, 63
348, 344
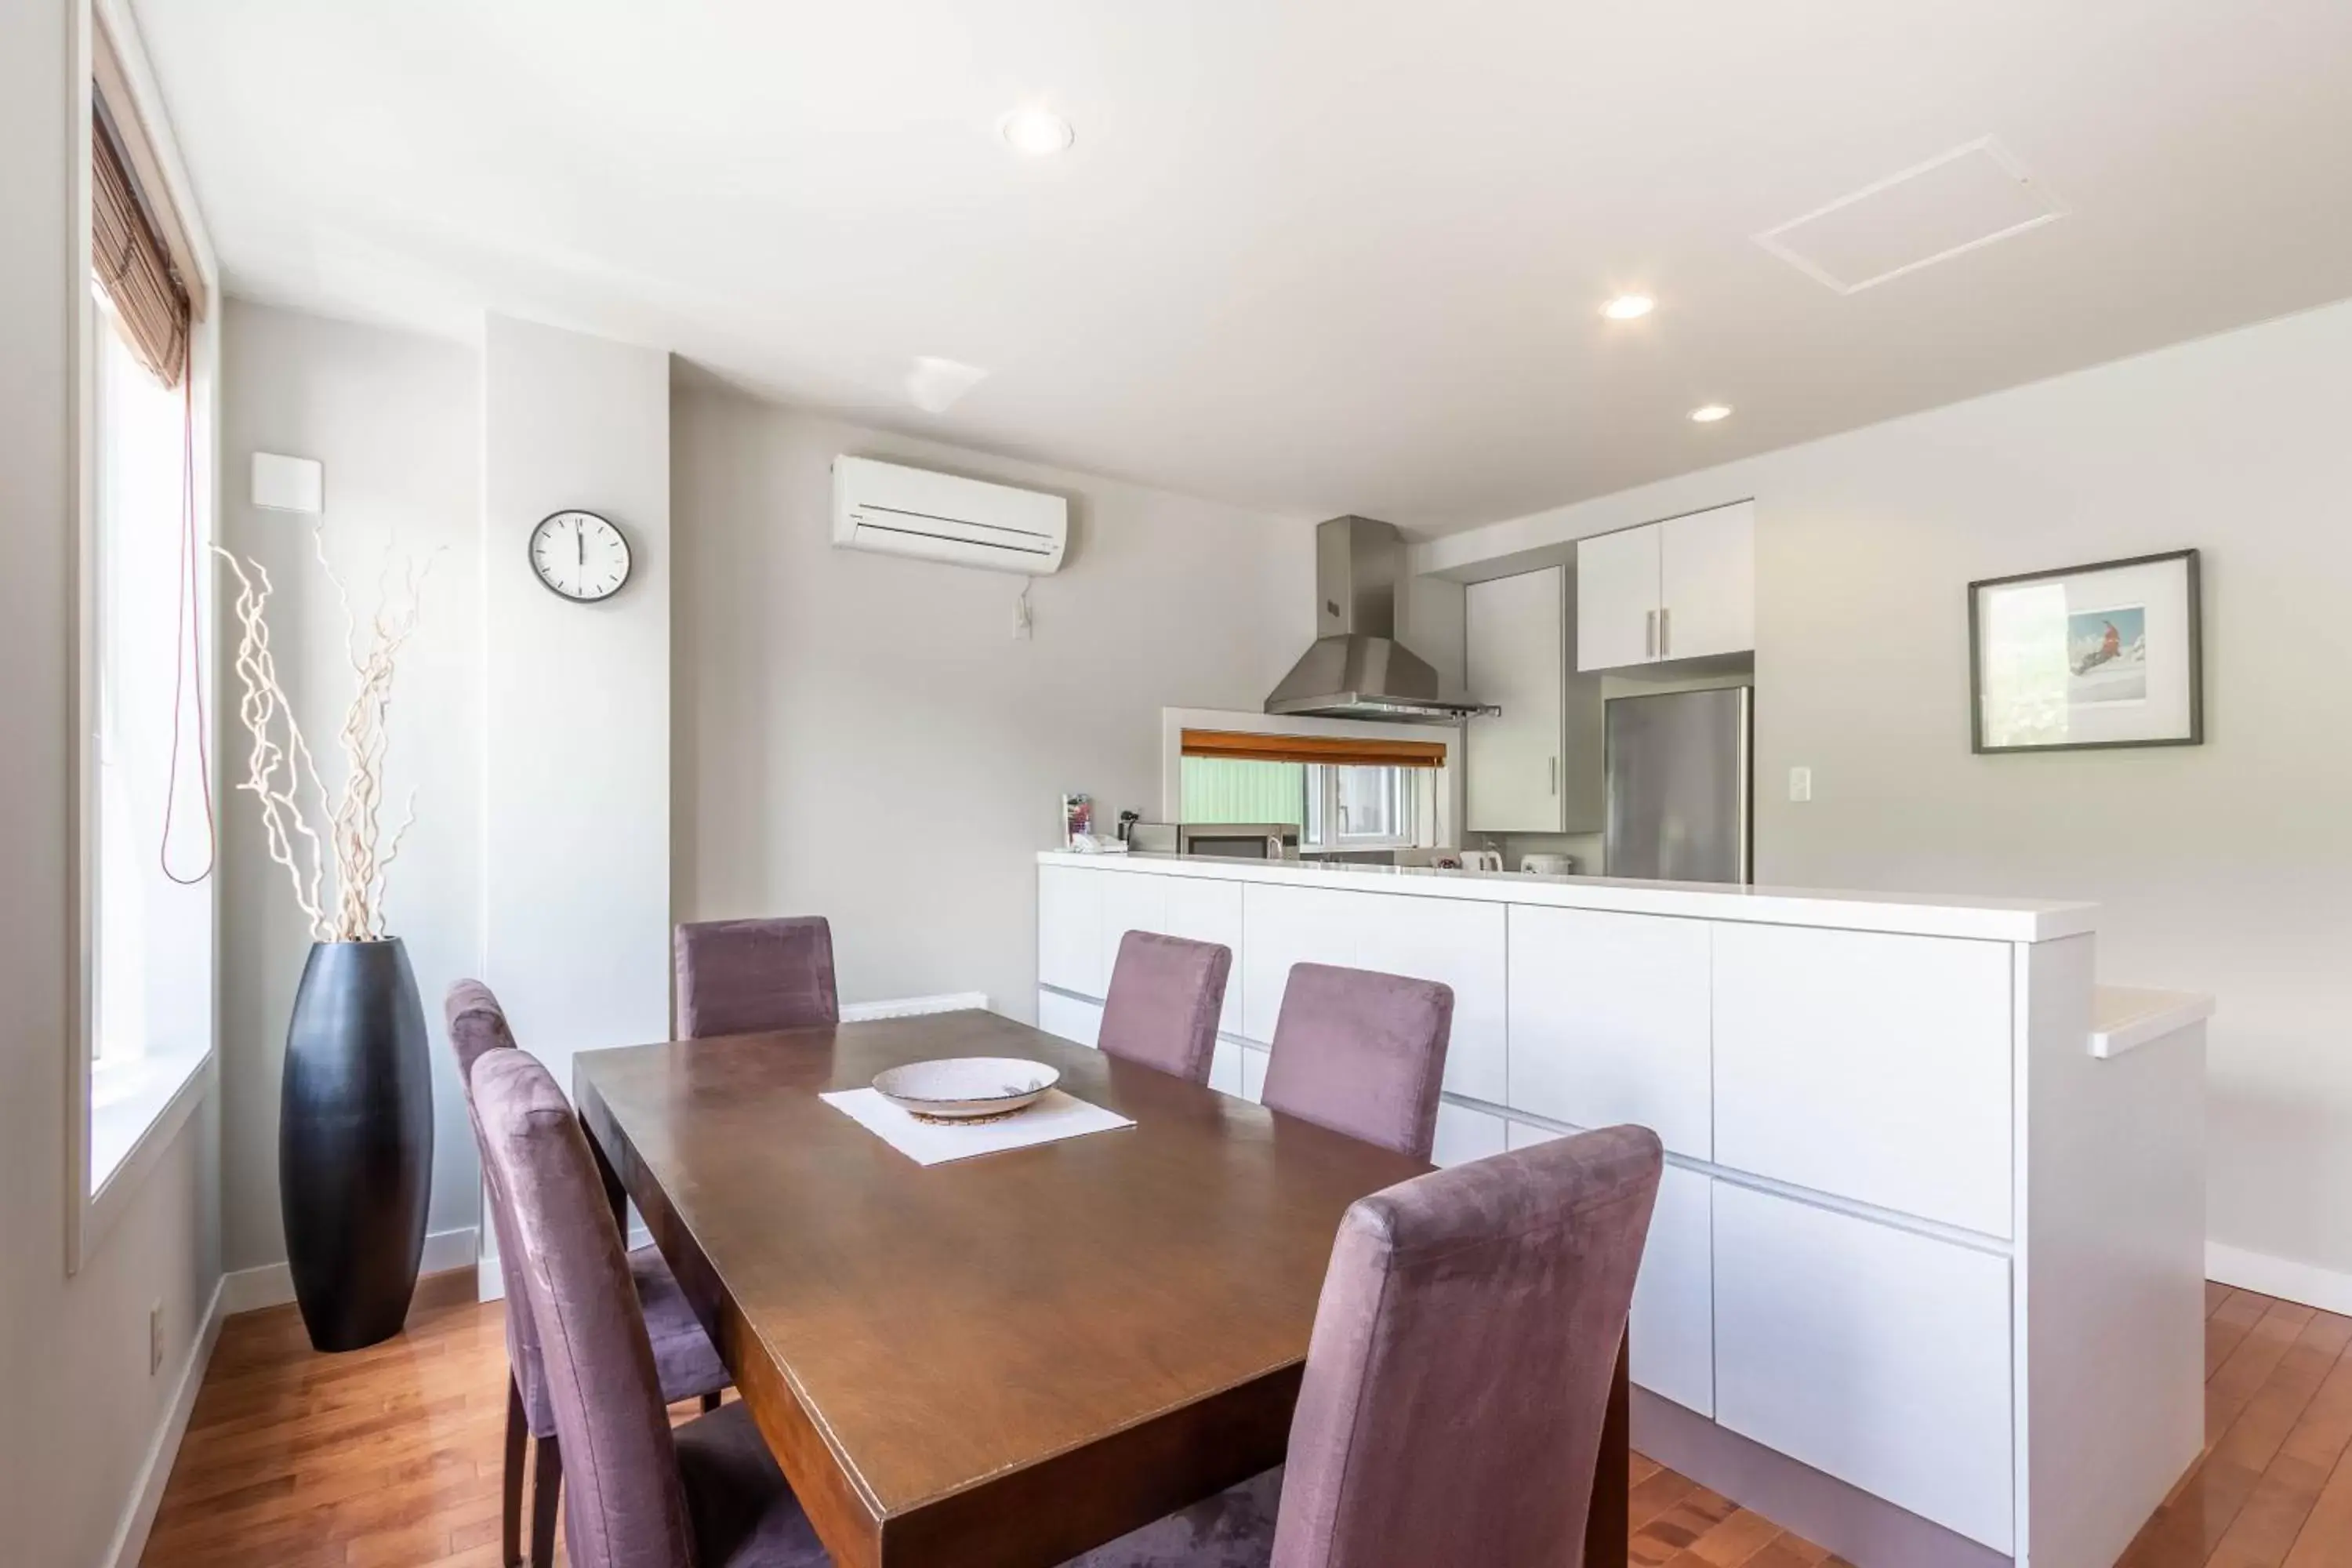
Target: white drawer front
1282, 926
1673, 1322
1253, 1074
1069, 928
1460, 944
1202, 910
1068, 1017
1456, 943
1672, 1326
1876, 1067
1610, 1022
1463, 1135
1876, 1354
1225, 1069
1129, 902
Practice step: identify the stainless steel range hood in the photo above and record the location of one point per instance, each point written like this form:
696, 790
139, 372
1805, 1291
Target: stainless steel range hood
1357, 668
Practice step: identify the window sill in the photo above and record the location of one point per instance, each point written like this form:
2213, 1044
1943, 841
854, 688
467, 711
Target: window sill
135, 1108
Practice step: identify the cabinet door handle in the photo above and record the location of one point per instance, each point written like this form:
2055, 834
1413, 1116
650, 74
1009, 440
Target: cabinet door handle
1665, 629
1555, 775
1649, 634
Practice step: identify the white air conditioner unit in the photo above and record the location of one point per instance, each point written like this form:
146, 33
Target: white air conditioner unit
937, 517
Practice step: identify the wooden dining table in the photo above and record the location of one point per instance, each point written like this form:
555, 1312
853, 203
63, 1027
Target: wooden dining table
1001, 1362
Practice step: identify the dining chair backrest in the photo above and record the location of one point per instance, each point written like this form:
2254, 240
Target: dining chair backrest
1165, 995
1362, 1053
477, 1027
624, 1505
748, 977
1461, 1359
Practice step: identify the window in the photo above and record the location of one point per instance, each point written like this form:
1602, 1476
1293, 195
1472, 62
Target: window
1336, 807
144, 787
151, 990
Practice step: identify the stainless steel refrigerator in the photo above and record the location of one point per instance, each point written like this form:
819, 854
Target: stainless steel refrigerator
1679, 786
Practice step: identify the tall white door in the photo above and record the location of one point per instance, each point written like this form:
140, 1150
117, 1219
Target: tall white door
1515, 635
1616, 599
1707, 576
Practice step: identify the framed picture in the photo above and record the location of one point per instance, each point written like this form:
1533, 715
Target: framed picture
2088, 656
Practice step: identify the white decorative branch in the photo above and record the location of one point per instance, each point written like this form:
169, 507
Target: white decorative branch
275, 769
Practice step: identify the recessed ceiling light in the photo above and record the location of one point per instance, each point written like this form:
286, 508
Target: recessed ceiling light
1709, 412
1627, 307
1035, 133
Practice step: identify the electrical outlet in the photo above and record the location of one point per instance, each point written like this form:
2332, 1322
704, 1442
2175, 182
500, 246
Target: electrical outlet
154, 1337
1801, 783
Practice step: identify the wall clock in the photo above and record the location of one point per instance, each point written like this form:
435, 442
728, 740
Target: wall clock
580, 555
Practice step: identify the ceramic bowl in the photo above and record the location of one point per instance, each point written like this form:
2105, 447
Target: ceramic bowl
964, 1087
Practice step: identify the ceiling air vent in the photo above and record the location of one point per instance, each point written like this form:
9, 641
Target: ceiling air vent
1958, 202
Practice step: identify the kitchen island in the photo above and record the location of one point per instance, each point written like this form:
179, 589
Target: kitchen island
1924, 1280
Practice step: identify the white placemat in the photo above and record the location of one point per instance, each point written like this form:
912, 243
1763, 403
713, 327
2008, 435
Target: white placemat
1051, 1120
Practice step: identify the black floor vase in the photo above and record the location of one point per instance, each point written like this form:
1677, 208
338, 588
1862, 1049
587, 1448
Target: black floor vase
355, 1141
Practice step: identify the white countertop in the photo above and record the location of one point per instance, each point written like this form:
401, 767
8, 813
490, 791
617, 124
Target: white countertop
2124, 1017
1920, 915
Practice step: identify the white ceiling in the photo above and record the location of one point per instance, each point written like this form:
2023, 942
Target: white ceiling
1316, 256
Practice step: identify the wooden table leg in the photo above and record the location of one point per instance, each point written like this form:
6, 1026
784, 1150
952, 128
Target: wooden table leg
614, 1193
1608, 1526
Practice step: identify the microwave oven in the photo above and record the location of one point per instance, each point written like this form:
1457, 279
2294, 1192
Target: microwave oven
1228, 841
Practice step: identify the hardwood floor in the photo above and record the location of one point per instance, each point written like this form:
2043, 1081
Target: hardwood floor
390, 1456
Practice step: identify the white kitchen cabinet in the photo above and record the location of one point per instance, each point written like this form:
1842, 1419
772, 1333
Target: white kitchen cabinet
1673, 1325
1202, 910
1706, 583
1069, 1017
1609, 1021
1463, 1135
1459, 943
1535, 767
1616, 599
1288, 926
1683, 588
1876, 1354
1128, 903
1069, 928
1871, 1066
1673, 1320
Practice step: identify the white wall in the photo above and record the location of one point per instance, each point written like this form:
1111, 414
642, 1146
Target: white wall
83, 1406
576, 770
2221, 867
395, 417
862, 737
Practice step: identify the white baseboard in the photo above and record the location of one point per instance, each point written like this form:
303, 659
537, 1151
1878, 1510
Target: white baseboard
272, 1284
2304, 1283
909, 1007
131, 1537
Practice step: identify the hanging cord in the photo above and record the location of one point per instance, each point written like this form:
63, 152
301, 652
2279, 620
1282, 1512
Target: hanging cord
188, 640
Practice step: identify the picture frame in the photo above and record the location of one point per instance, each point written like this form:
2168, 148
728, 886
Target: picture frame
2091, 658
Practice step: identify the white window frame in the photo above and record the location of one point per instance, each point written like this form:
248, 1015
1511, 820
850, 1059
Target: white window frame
107, 47
1324, 808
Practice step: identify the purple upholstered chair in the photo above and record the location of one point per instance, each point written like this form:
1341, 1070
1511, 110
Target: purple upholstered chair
1165, 995
1362, 1053
688, 1366
748, 977
1459, 1376
707, 1495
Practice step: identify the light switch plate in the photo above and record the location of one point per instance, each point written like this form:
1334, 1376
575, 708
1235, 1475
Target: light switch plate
1801, 783
289, 484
